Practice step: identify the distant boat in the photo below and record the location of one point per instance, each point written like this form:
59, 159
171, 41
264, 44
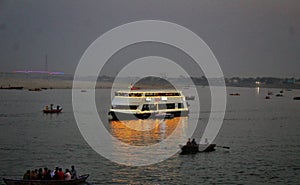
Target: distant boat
81, 179
196, 148
52, 111
267, 97
234, 94
270, 93
35, 89
279, 95
12, 87
297, 98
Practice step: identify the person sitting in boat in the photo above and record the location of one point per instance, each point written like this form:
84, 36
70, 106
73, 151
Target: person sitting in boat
57, 107
45, 171
68, 174
194, 142
48, 175
188, 143
33, 175
47, 107
40, 174
61, 174
55, 174
51, 106
73, 172
26, 175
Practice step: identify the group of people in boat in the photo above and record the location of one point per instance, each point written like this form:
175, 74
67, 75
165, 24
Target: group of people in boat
48, 174
191, 143
51, 107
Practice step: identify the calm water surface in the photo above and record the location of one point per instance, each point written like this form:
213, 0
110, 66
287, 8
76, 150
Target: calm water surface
263, 135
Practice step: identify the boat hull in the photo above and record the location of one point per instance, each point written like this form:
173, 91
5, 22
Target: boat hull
193, 149
80, 179
115, 116
52, 111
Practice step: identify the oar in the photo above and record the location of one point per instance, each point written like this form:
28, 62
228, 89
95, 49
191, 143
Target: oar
226, 147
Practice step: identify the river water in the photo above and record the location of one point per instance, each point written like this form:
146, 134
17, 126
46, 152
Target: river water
263, 136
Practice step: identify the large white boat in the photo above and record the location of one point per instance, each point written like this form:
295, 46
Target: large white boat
144, 104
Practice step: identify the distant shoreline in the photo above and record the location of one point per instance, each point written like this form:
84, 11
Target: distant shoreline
68, 84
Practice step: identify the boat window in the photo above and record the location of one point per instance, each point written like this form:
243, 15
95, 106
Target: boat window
145, 107
172, 94
170, 105
166, 106
121, 94
163, 94
151, 94
126, 94
180, 105
162, 106
148, 107
135, 94
138, 94
131, 107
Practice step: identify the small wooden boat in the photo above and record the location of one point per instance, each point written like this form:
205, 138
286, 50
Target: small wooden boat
35, 89
297, 98
267, 97
79, 180
234, 94
52, 111
196, 148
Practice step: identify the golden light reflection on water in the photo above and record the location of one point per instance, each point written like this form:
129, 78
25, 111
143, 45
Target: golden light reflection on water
257, 90
147, 132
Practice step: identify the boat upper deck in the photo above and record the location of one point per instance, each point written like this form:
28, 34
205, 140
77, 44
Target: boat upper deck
147, 93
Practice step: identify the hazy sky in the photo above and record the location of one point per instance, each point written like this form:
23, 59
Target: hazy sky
249, 38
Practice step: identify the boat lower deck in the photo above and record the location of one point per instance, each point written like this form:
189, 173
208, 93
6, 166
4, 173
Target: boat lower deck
126, 116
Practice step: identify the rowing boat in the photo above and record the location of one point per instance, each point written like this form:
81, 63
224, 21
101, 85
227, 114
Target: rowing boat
52, 111
80, 179
196, 148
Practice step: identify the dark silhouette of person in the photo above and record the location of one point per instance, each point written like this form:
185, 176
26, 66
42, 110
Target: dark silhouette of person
194, 141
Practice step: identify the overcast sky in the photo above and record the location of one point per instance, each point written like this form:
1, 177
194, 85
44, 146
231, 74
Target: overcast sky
249, 38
